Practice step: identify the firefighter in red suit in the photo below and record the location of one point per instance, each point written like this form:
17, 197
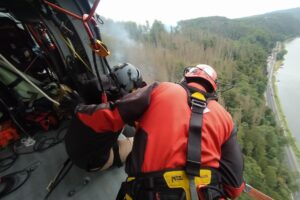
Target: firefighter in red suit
184, 139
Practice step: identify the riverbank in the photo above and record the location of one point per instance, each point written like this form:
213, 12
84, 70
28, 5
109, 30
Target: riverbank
273, 101
282, 118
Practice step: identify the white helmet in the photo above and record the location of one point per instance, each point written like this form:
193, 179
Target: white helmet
128, 76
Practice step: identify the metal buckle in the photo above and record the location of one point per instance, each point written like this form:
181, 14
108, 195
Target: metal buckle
197, 103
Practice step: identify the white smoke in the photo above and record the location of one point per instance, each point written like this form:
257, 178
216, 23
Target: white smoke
125, 49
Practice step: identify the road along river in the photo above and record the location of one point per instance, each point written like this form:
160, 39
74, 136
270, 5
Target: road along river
271, 102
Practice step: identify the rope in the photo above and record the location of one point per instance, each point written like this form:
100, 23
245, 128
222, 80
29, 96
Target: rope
69, 44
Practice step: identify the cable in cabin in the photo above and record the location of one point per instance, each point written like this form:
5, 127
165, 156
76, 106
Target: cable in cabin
43, 143
11, 115
67, 166
13, 181
8, 161
95, 44
103, 96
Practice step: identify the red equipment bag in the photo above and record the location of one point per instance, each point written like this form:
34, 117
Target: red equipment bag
8, 133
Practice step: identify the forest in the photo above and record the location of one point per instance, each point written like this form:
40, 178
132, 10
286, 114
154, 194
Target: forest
238, 49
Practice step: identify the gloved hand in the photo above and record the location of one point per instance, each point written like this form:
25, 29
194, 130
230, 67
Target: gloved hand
128, 131
88, 149
69, 102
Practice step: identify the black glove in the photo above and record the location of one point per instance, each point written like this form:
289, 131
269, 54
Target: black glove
128, 131
88, 149
70, 101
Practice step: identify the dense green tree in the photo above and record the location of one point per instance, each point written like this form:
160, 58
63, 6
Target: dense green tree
281, 54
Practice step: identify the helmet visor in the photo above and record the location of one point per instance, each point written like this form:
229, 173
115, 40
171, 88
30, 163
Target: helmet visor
196, 70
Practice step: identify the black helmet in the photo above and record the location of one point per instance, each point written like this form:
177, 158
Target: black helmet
128, 76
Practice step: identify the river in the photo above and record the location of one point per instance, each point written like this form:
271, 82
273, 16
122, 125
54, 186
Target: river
288, 84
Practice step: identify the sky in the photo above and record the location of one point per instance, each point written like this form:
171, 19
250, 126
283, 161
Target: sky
171, 11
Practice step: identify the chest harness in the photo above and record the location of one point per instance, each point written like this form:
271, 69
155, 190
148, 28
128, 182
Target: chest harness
189, 183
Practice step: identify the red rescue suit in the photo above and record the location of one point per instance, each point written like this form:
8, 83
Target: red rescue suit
163, 114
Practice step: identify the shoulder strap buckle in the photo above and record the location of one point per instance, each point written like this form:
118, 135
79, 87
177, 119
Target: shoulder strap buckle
192, 167
198, 106
198, 103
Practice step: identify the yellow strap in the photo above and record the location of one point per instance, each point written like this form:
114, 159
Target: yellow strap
130, 179
127, 197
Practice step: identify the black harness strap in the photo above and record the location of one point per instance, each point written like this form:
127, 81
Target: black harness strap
198, 101
193, 161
